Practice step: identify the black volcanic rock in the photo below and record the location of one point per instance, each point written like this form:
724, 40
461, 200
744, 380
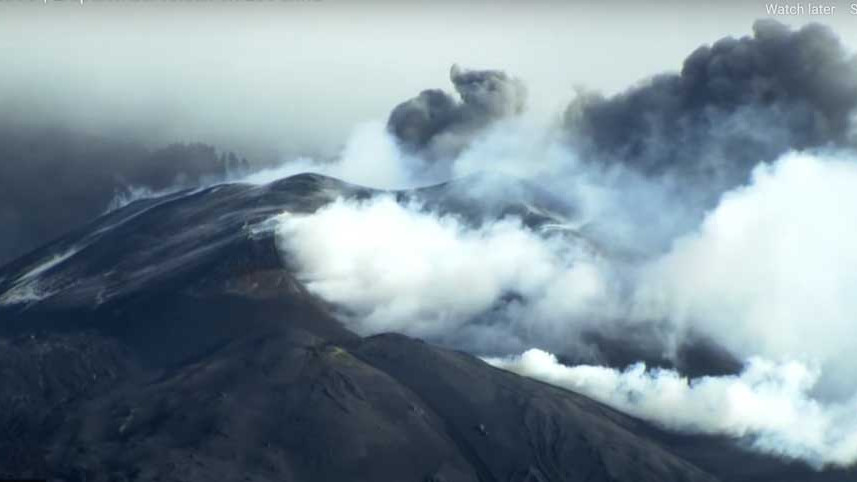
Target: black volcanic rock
168, 341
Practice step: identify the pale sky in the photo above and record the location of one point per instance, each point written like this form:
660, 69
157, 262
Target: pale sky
298, 75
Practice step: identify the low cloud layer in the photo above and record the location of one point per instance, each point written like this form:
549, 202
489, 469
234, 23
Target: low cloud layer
55, 179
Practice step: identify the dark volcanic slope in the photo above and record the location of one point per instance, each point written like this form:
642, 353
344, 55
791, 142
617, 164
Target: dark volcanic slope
166, 341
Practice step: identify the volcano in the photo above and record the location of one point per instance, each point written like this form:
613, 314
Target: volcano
170, 340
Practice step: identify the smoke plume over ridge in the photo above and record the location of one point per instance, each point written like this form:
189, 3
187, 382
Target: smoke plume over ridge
741, 168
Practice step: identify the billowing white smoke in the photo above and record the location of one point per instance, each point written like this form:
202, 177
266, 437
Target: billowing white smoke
769, 403
400, 268
627, 210
370, 158
771, 272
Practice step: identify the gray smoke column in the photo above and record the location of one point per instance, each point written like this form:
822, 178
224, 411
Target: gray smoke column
435, 125
710, 242
734, 104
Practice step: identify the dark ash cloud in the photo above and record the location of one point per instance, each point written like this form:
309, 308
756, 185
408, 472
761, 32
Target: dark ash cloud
734, 103
435, 125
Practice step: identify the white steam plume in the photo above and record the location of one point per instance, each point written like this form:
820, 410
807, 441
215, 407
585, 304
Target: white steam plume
370, 158
769, 404
772, 271
400, 268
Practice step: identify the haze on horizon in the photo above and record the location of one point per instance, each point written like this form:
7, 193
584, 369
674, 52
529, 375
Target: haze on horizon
273, 80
